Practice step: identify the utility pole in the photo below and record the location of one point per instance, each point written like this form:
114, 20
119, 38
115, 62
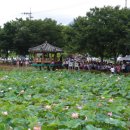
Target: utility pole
29, 14
125, 3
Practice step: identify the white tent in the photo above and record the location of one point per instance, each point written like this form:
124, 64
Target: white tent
126, 58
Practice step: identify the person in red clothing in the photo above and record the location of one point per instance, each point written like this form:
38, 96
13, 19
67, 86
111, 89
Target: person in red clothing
118, 69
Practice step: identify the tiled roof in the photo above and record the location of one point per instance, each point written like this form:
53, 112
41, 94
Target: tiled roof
45, 47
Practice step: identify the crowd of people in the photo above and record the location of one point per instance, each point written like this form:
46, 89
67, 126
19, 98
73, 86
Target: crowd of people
82, 64
16, 61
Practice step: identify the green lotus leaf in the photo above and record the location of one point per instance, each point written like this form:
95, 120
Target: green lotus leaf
91, 127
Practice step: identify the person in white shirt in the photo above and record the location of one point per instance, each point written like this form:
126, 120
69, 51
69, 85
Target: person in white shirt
112, 70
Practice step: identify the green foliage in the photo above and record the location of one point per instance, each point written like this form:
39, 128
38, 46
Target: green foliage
63, 100
20, 35
104, 32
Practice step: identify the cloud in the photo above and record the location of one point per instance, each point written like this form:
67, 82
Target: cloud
63, 11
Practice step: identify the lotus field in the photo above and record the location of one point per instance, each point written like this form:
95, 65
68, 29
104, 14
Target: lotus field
64, 100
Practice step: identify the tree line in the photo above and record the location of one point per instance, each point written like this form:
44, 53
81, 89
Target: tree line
103, 32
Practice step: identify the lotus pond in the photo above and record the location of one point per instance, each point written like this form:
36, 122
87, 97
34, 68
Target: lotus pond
64, 100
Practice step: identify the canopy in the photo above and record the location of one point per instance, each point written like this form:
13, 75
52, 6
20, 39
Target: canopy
126, 58
45, 47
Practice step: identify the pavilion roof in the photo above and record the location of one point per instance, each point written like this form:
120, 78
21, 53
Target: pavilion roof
45, 47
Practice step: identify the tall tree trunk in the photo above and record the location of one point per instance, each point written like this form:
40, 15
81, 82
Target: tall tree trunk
6, 54
101, 58
115, 59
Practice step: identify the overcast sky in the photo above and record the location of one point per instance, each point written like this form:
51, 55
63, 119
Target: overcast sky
63, 11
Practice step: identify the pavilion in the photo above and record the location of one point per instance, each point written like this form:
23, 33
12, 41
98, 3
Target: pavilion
46, 55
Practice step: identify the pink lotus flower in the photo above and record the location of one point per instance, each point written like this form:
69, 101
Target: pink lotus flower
75, 115
22, 92
37, 128
109, 113
110, 100
48, 107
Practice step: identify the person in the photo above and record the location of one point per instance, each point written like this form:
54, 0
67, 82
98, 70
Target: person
76, 65
17, 63
112, 70
118, 69
26, 63
70, 65
21, 63
123, 67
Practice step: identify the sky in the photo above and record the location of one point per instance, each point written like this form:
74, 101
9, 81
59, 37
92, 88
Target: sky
63, 11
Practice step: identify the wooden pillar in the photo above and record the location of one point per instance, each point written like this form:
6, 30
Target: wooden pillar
35, 56
55, 57
42, 57
51, 57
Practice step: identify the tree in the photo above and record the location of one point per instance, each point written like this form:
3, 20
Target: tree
6, 38
103, 32
20, 35
32, 33
74, 35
